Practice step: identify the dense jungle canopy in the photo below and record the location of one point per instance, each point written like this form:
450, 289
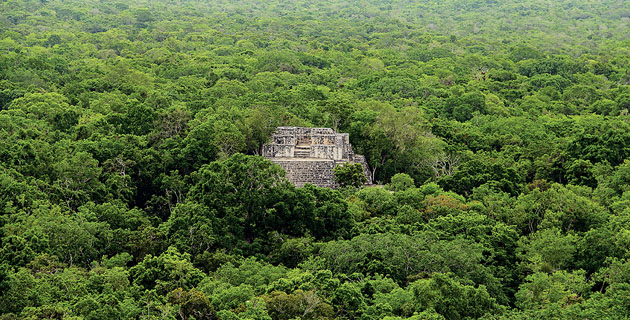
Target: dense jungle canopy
131, 184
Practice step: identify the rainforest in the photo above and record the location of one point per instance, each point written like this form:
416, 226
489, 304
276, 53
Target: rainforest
497, 135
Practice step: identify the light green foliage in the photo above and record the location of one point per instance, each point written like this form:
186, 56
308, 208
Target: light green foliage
348, 300
74, 238
132, 187
167, 272
401, 182
251, 272
401, 256
559, 206
548, 250
52, 107
542, 290
255, 309
230, 297
192, 303
190, 227
306, 305
377, 200
102, 292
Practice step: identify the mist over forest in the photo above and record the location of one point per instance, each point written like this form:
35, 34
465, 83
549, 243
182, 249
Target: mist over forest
497, 135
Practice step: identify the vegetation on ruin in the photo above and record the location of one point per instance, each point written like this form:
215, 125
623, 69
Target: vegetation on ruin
131, 186
349, 175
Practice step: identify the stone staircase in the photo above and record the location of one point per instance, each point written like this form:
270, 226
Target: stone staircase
302, 151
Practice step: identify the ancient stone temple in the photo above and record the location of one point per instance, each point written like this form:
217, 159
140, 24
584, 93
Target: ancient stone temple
308, 155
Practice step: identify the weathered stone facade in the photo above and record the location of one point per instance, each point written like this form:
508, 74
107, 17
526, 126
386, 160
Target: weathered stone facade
309, 155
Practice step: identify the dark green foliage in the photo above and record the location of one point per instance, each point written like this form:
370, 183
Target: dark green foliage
452, 299
167, 272
131, 185
350, 174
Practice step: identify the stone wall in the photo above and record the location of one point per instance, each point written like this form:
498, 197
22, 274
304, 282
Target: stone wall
309, 155
321, 143
301, 172
321, 151
279, 150
366, 170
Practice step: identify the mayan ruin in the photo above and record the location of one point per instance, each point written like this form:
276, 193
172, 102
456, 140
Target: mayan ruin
309, 155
